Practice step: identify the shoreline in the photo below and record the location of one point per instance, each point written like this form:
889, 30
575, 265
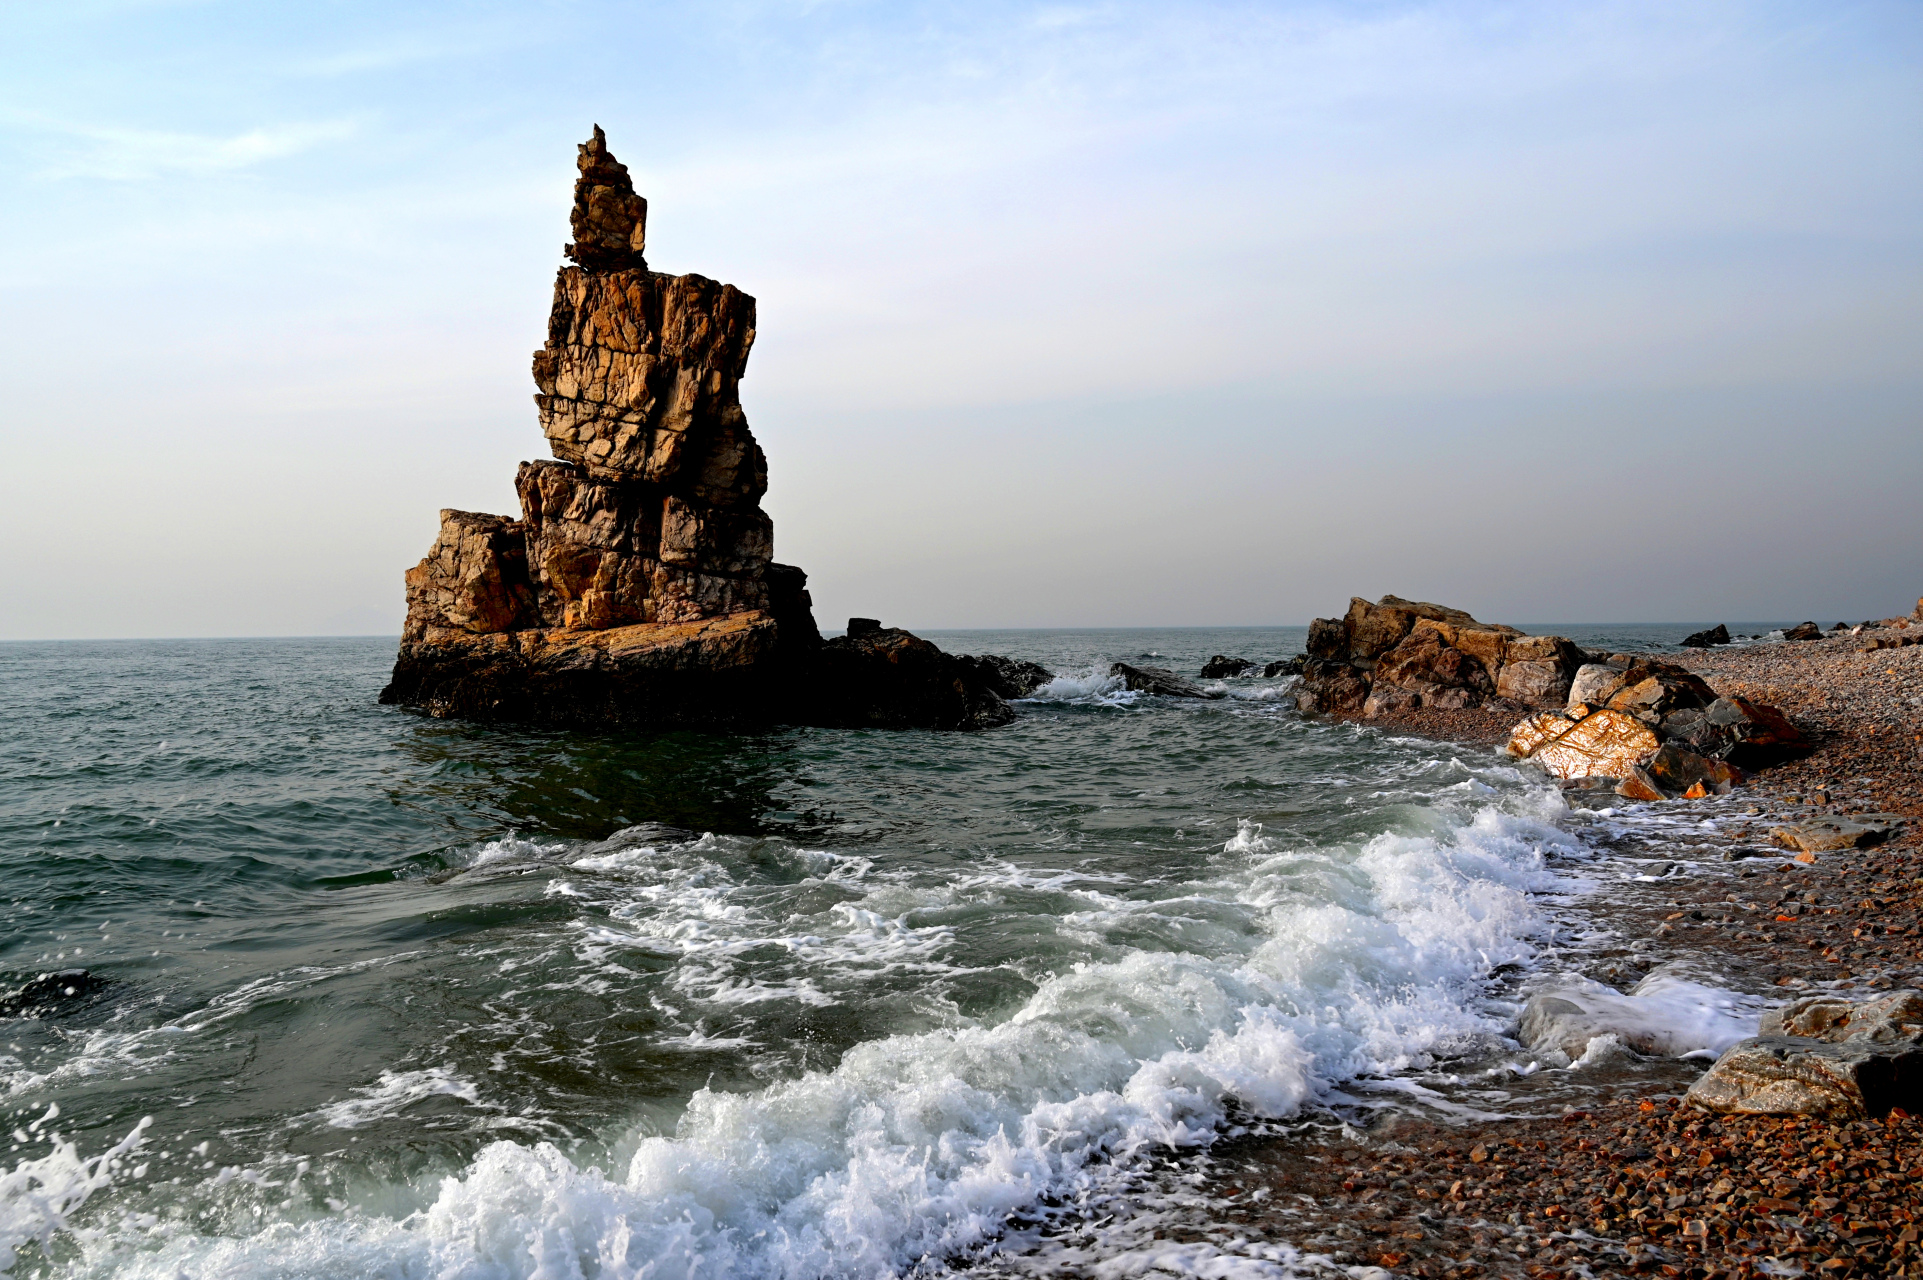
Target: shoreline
1635, 1180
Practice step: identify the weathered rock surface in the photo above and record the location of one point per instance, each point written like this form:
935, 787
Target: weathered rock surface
1399, 654
638, 587
1675, 770
1160, 681
1804, 631
1826, 835
1748, 734
1600, 744
1822, 1056
1222, 666
1659, 729
1718, 634
712, 671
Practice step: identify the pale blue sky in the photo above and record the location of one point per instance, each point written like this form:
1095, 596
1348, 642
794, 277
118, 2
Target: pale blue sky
1069, 314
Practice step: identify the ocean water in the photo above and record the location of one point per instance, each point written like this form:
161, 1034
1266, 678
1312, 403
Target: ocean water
371, 994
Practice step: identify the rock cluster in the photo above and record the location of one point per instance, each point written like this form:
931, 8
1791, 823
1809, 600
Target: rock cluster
1718, 634
1824, 1056
1396, 655
1657, 729
638, 585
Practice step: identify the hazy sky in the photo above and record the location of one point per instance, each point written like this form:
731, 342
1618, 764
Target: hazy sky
1069, 314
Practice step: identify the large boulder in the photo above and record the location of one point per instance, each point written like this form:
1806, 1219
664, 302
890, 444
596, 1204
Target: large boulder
474, 579
1823, 1056
1371, 630
1750, 735
1537, 671
1601, 744
1438, 673
1677, 771
1645, 687
1804, 631
1010, 678
1221, 666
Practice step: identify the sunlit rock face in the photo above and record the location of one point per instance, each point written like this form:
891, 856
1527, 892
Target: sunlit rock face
652, 512
638, 586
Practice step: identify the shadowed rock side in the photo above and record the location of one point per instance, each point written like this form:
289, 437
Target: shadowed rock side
638, 587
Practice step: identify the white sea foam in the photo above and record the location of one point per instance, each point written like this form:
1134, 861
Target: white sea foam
395, 1092
39, 1195
1092, 687
1292, 969
1672, 1012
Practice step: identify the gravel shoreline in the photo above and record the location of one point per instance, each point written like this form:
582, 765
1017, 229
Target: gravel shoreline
1634, 1181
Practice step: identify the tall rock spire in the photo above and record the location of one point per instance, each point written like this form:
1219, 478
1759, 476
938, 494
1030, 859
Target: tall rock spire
610, 222
638, 586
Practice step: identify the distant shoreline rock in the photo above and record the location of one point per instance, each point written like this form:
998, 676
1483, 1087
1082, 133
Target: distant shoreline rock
1632, 724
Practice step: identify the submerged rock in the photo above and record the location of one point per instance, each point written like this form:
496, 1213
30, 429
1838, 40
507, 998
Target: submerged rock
639, 586
1160, 681
1221, 666
51, 994
1824, 1056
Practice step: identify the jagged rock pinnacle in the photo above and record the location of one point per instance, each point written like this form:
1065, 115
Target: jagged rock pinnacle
610, 222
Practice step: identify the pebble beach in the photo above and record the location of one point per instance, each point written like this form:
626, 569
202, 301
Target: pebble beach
1636, 1180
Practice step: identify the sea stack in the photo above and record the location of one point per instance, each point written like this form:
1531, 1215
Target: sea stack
638, 586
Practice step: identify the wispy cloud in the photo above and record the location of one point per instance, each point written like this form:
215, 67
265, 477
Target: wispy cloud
133, 155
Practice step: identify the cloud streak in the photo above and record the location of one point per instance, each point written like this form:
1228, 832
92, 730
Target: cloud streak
70, 150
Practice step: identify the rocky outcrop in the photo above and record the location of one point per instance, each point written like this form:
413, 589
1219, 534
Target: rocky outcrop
638, 586
1222, 666
1397, 655
1718, 634
1824, 1056
1656, 728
